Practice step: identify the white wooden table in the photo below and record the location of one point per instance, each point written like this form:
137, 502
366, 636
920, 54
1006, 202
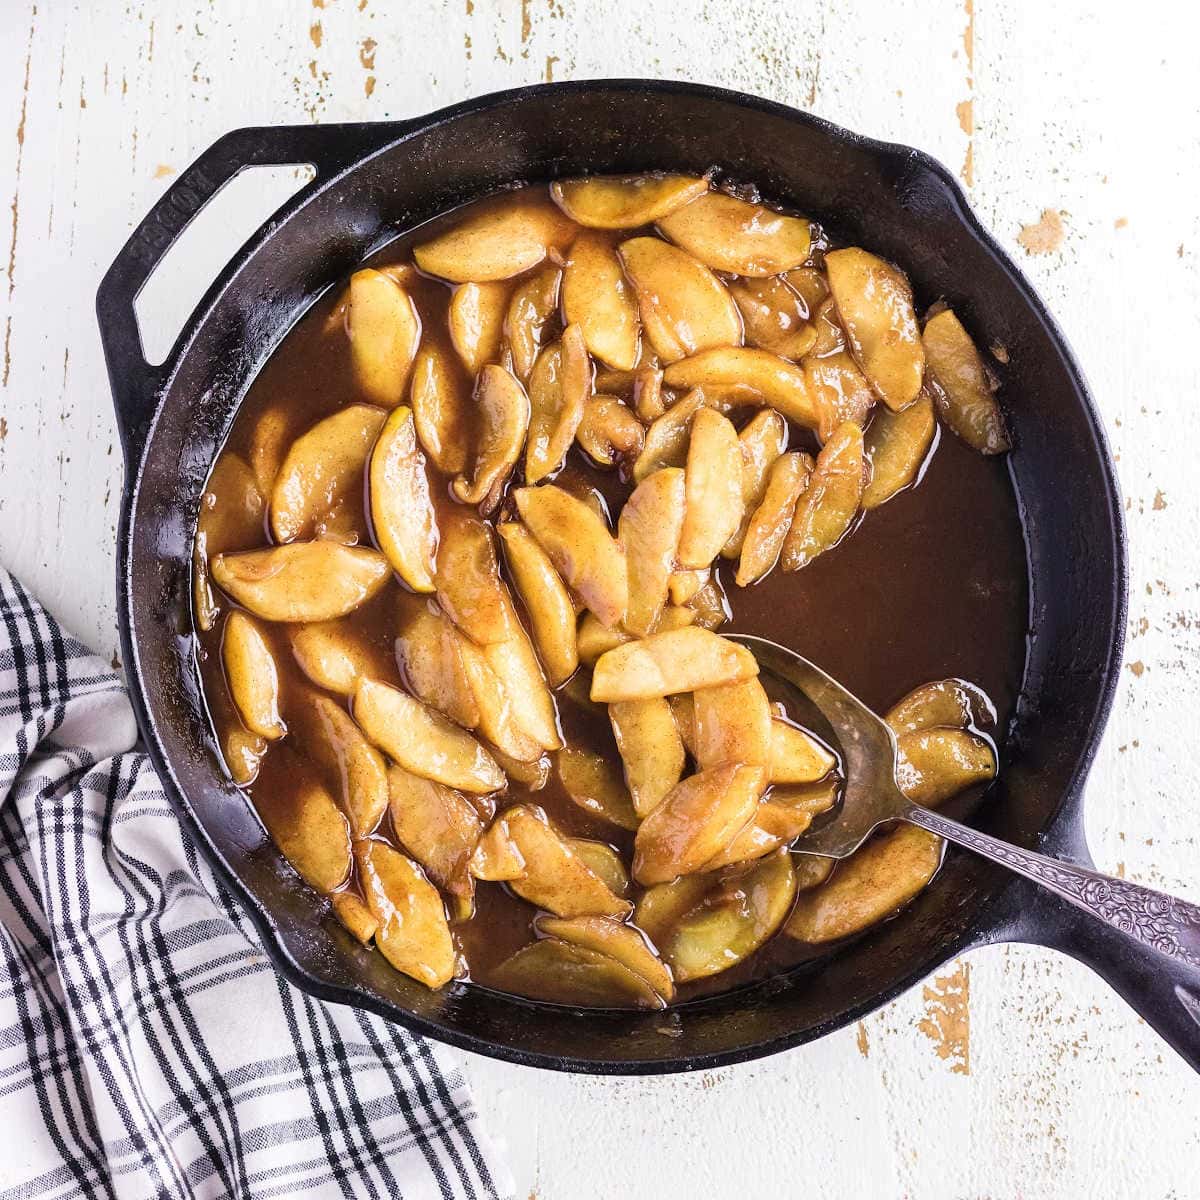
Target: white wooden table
1017, 1073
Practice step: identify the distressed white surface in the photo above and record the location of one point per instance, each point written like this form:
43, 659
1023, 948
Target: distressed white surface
1067, 1093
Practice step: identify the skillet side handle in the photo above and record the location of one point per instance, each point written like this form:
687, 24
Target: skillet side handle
136, 384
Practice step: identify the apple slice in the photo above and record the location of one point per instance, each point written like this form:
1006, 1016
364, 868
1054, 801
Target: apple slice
422, 740
503, 419
762, 440
649, 528
335, 656
775, 381
533, 303
243, 753
429, 653
733, 235
698, 818
302, 581
436, 825
618, 941
875, 304
678, 660
497, 241
595, 639
782, 816
352, 911
713, 486
595, 784
322, 467
828, 506
597, 297
609, 431
578, 543
252, 676
441, 405
270, 438
495, 700
625, 202
666, 440
413, 932
840, 391
384, 331
684, 307
309, 829
476, 318
897, 446
953, 703
546, 600
732, 723
559, 387
565, 973
935, 764
796, 756
770, 521
774, 316
604, 862
469, 588
402, 513
515, 661
649, 745
964, 387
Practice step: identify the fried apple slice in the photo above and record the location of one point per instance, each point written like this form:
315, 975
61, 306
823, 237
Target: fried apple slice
542, 591
666, 440
494, 698
873, 883
683, 712
325, 732
699, 817
777, 382
896, 446
713, 489
650, 748
964, 387
649, 528
437, 826
243, 753
514, 661
533, 303
732, 723
309, 829
797, 756
269, 442
839, 389
829, 504
625, 202
552, 875
302, 581
252, 676
587, 557
935, 764
422, 740
684, 307
684, 584
738, 917
618, 941
782, 816
875, 305
733, 235
609, 431
660, 908
678, 660
810, 285
231, 518
352, 911
402, 513
953, 703
647, 394
710, 604
762, 441
558, 390
598, 298
429, 653
322, 468
495, 242
503, 421
476, 317
774, 316
441, 405
595, 639
595, 784
335, 656
384, 331
532, 775
469, 588
831, 337
413, 932
605, 862
769, 523
565, 973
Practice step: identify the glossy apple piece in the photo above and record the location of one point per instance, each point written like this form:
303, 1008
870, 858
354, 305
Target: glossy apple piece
964, 386
677, 660
625, 202
739, 237
598, 298
384, 332
650, 748
402, 513
830, 502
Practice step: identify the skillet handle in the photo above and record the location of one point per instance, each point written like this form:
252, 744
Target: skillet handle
1145, 943
137, 384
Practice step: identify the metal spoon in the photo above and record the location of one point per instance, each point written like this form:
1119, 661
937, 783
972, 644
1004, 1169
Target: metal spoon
1164, 924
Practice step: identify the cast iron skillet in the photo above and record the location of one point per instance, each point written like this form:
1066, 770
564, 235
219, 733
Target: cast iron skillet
375, 179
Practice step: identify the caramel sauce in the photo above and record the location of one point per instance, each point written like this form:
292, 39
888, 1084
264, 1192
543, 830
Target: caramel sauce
929, 585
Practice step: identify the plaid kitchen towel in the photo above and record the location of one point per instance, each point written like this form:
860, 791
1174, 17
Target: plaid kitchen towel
147, 1047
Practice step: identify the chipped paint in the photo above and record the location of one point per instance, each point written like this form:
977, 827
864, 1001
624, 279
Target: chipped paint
1043, 236
947, 1019
965, 109
862, 1041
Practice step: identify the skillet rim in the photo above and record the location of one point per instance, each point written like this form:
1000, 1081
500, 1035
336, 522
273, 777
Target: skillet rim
1000, 916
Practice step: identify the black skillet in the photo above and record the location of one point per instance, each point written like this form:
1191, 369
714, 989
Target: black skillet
375, 179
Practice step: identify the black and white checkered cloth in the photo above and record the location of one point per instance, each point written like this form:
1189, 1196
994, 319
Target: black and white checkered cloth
147, 1047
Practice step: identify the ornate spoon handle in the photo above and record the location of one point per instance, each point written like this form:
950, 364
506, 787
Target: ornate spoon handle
1159, 922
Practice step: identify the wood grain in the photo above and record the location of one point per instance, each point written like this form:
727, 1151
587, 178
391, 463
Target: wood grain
1037, 1081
